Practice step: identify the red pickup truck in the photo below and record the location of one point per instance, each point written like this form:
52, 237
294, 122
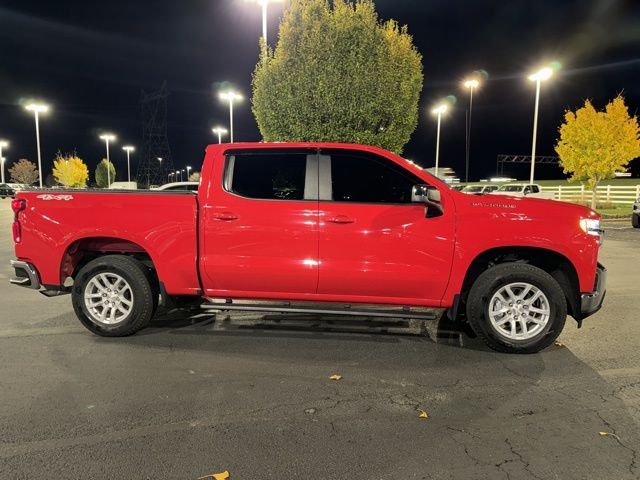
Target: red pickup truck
314, 227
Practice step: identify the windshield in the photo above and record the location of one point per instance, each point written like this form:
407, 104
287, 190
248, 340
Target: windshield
510, 188
472, 188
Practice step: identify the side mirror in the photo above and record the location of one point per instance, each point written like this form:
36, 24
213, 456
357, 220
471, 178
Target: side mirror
425, 194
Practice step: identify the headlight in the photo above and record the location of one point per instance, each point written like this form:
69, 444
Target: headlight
591, 226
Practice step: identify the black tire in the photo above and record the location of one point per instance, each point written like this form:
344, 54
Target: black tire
144, 296
635, 220
492, 280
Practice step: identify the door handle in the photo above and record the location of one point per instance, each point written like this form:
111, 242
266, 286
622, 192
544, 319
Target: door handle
224, 216
341, 219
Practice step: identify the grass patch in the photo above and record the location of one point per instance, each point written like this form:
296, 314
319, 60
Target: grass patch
615, 182
611, 210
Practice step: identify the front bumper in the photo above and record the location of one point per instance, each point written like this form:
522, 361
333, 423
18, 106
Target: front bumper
26, 275
591, 302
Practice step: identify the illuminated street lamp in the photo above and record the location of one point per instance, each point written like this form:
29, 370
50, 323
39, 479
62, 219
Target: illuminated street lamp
178, 173
220, 131
107, 138
188, 168
128, 149
538, 77
230, 96
3, 144
169, 177
37, 109
439, 111
471, 84
264, 4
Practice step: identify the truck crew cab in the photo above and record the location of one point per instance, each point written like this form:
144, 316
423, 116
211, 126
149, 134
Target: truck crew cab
314, 227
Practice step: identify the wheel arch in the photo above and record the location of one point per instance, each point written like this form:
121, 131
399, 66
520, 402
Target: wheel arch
82, 250
551, 261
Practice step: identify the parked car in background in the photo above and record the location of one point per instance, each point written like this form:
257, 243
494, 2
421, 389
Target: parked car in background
183, 186
523, 190
479, 189
635, 216
6, 190
15, 187
341, 226
457, 187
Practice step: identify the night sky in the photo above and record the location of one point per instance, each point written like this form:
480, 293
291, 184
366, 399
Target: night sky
90, 60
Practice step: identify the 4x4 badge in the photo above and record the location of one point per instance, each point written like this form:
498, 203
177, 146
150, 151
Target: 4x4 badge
48, 196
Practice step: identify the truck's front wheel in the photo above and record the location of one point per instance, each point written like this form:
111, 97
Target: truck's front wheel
113, 297
516, 308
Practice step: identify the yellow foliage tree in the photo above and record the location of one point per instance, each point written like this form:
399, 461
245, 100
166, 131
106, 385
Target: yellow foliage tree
593, 144
69, 170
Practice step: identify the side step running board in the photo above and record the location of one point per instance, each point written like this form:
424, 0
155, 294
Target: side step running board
347, 310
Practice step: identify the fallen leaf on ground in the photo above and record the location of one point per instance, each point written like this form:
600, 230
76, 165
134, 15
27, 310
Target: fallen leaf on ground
423, 414
608, 434
335, 377
558, 344
216, 476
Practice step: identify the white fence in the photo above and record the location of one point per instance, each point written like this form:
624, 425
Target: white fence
606, 194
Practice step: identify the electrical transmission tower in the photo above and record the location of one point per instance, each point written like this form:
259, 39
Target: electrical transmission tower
523, 159
155, 144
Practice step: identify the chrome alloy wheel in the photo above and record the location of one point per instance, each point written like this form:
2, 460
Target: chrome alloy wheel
519, 311
108, 298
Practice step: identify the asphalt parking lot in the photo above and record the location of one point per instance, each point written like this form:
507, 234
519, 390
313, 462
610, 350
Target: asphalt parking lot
196, 394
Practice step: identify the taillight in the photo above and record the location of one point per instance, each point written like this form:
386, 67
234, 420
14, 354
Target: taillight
17, 205
17, 231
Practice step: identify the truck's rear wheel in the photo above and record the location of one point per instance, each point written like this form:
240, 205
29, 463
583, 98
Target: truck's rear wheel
516, 308
113, 296
635, 220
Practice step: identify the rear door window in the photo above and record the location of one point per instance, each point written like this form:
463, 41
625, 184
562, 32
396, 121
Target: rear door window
269, 176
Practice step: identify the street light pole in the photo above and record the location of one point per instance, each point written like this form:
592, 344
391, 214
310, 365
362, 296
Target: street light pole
231, 117
188, 168
108, 137
535, 133
219, 131
37, 109
264, 5
471, 84
439, 110
538, 77
3, 144
230, 96
128, 149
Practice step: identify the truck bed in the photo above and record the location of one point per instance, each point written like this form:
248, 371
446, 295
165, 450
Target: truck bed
58, 221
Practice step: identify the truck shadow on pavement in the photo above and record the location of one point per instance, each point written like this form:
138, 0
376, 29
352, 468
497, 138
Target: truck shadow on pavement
440, 331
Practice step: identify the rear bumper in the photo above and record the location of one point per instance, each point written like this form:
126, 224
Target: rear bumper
25, 275
591, 302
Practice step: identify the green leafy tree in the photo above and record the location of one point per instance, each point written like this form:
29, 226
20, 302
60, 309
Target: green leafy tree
194, 177
101, 173
338, 74
593, 144
24, 171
